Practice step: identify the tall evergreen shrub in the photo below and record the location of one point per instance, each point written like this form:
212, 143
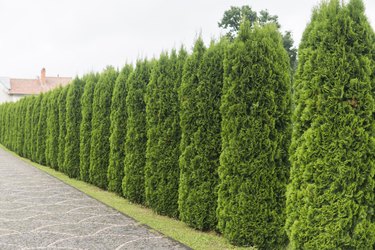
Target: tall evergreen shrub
118, 131
42, 130
85, 128
201, 146
331, 198
255, 112
34, 131
133, 184
62, 128
52, 142
100, 146
73, 122
163, 135
28, 127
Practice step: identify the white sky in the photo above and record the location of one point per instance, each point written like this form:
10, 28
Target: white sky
71, 37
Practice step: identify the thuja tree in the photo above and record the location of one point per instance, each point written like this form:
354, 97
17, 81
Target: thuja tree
21, 124
163, 135
28, 127
62, 128
255, 112
52, 141
73, 122
42, 130
331, 199
10, 130
85, 128
201, 126
35, 121
100, 146
118, 131
135, 146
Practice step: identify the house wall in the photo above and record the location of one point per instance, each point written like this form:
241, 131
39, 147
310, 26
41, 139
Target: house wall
4, 96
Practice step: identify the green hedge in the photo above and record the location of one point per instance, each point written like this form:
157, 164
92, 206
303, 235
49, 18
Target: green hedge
86, 127
135, 142
34, 128
73, 122
101, 110
163, 134
201, 144
53, 128
118, 117
205, 137
62, 128
331, 199
42, 130
255, 112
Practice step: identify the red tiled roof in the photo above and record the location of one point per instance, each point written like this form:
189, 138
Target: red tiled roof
34, 86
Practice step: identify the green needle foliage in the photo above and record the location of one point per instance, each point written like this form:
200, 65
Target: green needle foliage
135, 146
35, 121
62, 128
331, 198
85, 129
100, 146
73, 122
21, 124
201, 146
42, 130
118, 131
163, 134
28, 127
255, 112
52, 143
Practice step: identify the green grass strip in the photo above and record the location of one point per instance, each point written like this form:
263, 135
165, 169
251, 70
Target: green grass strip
170, 227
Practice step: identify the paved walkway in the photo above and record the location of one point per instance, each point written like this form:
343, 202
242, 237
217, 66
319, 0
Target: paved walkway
38, 211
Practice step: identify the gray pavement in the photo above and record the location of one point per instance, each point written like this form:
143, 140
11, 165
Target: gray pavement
38, 211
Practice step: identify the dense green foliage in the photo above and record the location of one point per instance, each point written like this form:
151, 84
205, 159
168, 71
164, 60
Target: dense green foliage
42, 130
62, 128
34, 129
255, 112
331, 198
73, 122
85, 127
135, 144
201, 144
28, 127
52, 141
163, 134
21, 119
118, 131
101, 108
204, 137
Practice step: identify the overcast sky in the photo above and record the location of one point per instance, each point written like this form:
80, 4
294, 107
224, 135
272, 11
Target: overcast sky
71, 37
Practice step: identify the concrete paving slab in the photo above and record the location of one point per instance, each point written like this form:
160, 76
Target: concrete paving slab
38, 211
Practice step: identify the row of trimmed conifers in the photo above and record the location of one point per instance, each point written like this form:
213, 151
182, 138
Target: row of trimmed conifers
204, 137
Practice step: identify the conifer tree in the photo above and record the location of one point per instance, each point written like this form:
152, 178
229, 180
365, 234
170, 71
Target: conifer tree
118, 131
135, 145
73, 122
255, 110
62, 128
201, 127
28, 127
42, 130
20, 126
35, 121
331, 199
85, 129
100, 146
163, 135
52, 142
